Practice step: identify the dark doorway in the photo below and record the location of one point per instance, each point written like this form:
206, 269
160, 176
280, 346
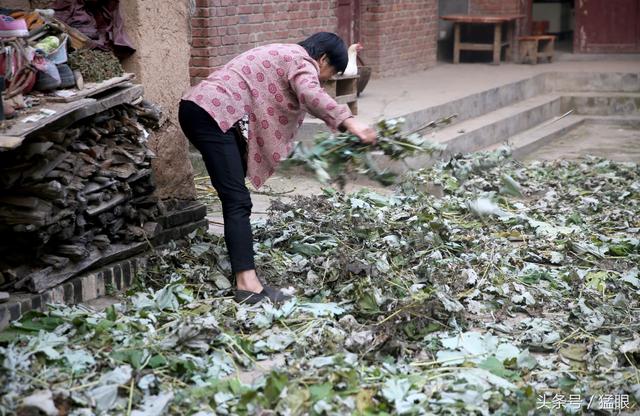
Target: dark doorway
554, 17
445, 29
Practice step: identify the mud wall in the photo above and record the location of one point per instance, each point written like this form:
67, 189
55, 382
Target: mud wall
160, 33
15, 4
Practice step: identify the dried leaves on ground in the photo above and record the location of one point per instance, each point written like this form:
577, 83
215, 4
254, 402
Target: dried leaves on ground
515, 291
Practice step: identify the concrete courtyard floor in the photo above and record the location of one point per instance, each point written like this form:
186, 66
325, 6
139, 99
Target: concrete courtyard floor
397, 96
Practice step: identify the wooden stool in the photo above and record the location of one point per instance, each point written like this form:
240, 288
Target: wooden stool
344, 90
534, 47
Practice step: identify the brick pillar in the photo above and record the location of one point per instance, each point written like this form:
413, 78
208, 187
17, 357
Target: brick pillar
399, 36
159, 31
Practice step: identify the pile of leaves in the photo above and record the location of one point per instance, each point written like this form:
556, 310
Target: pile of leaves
334, 157
95, 65
480, 286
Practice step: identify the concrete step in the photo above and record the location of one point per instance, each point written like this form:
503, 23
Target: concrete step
532, 139
528, 124
603, 103
497, 126
595, 81
471, 106
484, 102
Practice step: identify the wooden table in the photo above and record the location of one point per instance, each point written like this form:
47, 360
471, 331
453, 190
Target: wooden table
496, 47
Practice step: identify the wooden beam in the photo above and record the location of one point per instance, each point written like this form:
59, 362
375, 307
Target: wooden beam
10, 142
90, 89
456, 43
467, 46
497, 42
19, 130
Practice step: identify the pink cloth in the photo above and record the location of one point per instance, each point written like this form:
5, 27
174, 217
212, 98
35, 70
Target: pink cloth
275, 85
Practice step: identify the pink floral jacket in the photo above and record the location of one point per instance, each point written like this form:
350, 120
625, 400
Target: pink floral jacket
274, 85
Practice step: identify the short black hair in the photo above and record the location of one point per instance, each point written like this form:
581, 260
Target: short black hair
330, 44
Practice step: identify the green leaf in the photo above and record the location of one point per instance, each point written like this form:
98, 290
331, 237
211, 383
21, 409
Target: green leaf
597, 281
320, 391
510, 186
395, 390
566, 383
630, 277
104, 325
157, 361
322, 309
112, 315
367, 303
200, 248
274, 342
307, 249
495, 366
47, 342
575, 218
506, 351
446, 357
526, 360
182, 367
274, 385
621, 250
415, 332
166, 298
78, 359
137, 358
12, 334
221, 281
104, 397
37, 321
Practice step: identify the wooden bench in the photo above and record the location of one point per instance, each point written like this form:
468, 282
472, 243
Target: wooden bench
536, 46
343, 88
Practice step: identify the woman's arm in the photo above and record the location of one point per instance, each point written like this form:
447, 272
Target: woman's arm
366, 133
303, 78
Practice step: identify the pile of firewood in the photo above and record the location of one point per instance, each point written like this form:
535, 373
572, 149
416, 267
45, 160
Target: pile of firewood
68, 192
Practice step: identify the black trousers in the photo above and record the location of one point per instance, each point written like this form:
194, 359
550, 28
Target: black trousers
224, 157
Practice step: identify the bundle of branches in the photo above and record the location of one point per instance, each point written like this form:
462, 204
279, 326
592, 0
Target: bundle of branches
334, 156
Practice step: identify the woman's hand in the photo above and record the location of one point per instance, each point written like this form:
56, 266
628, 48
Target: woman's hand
365, 133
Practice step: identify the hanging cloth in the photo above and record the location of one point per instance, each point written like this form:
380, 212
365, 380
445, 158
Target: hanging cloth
101, 21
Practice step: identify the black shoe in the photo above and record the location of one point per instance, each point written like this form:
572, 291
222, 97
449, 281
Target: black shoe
251, 298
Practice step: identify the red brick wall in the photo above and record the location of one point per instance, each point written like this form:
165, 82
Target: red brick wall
399, 36
222, 29
496, 6
504, 7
